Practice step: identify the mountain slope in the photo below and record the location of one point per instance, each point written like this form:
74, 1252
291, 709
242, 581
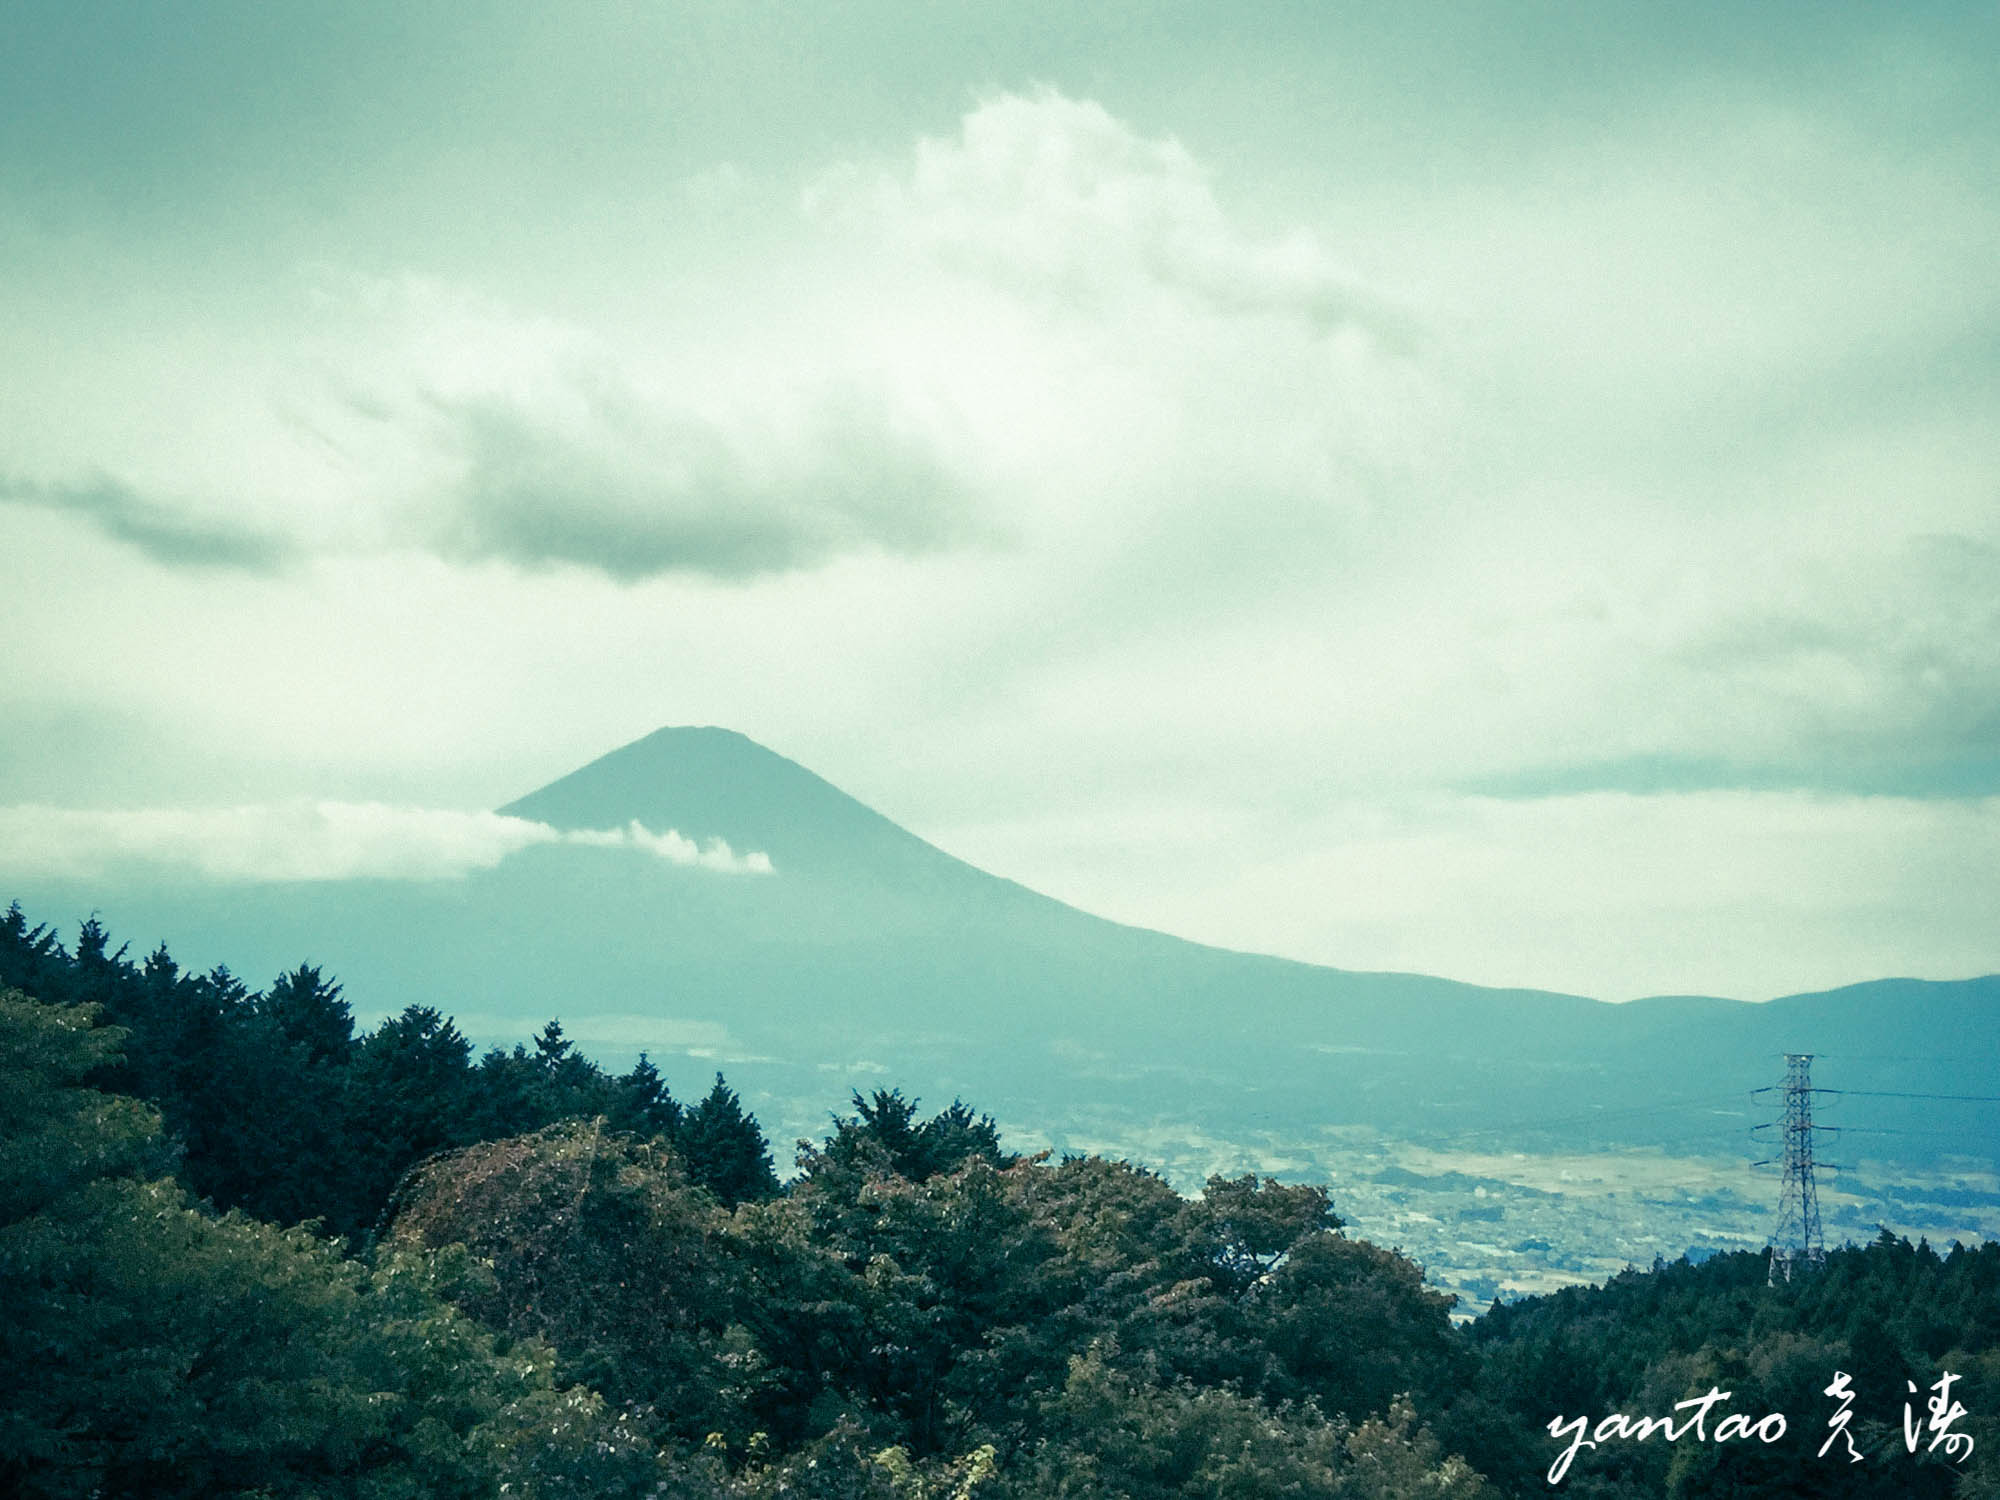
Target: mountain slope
869, 956
710, 783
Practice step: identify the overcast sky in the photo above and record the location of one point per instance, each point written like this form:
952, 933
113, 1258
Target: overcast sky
1501, 491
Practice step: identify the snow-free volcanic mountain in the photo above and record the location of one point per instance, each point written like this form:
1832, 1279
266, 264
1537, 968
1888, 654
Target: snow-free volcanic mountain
867, 956
711, 783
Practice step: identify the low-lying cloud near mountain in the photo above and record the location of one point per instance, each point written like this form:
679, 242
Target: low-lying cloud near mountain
295, 841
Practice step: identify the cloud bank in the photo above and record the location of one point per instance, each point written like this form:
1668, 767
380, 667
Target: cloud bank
1056, 197
409, 415
1047, 326
303, 841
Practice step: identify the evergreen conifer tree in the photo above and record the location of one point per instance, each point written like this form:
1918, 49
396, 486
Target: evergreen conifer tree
309, 1011
641, 1104
724, 1150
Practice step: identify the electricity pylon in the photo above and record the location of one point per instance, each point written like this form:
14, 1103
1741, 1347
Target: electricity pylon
1796, 1243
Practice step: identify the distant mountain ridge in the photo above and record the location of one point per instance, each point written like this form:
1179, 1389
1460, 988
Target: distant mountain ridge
707, 782
871, 956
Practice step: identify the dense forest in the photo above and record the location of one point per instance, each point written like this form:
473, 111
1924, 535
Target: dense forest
246, 1249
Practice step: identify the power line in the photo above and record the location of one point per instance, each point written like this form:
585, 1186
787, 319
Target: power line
1895, 1057
1673, 1106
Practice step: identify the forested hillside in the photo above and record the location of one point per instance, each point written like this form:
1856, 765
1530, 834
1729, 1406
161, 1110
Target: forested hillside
244, 1250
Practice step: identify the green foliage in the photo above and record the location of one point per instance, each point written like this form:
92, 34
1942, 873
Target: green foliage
598, 1244
1887, 1314
724, 1149
581, 1287
408, 1093
278, 1108
954, 1481
883, 1134
936, 1315
56, 1132
179, 1354
309, 1012
1352, 1325
1256, 1222
641, 1104
1116, 1431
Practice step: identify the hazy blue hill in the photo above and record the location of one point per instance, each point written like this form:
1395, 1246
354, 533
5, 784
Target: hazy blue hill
869, 957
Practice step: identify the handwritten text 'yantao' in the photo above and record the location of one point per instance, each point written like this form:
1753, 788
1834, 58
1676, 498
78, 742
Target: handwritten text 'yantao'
1943, 1411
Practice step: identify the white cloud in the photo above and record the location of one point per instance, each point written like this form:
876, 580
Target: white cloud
303, 841
1250, 530
1051, 195
1128, 351
672, 847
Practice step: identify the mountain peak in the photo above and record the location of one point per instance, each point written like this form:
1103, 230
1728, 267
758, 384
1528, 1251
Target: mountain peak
707, 782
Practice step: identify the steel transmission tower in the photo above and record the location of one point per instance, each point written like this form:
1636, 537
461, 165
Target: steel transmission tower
1796, 1242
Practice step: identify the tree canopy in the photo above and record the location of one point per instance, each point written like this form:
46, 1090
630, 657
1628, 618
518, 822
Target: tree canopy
246, 1249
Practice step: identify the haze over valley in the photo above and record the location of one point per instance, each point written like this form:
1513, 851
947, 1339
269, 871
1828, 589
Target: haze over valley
701, 898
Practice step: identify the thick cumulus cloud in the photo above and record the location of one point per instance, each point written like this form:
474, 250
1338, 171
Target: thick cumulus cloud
1057, 197
311, 841
1028, 416
1140, 355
